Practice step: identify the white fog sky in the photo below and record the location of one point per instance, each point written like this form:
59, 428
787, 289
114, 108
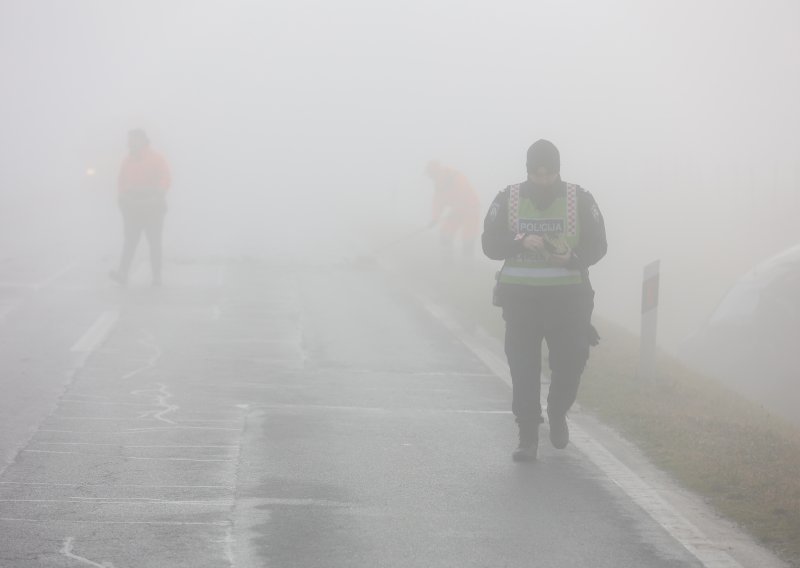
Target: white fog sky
285, 119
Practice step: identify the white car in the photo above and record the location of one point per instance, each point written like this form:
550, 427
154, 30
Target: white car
752, 340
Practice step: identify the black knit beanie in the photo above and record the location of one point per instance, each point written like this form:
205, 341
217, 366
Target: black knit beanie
544, 153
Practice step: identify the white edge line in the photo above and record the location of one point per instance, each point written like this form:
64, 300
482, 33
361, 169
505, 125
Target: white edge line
123, 501
130, 457
710, 554
96, 333
129, 485
83, 521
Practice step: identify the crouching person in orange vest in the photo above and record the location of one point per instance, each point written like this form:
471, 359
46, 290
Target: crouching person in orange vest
456, 200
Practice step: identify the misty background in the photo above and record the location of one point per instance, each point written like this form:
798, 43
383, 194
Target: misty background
292, 129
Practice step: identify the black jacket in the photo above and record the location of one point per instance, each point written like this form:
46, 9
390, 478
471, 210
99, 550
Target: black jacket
499, 242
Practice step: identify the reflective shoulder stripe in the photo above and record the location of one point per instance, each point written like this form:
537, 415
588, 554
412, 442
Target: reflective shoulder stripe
572, 210
513, 208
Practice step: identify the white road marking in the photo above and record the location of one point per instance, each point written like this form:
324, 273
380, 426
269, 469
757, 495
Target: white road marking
130, 457
96, 333
229, 544
497, 365
224, 460
128, 446
293, 363
379, 409
66, 550
226, 487
104, 402
710, 554
81, 521
137, 430
120, 501
104, 418
255, 340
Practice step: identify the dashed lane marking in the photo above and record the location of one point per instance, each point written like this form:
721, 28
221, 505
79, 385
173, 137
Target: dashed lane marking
96, 333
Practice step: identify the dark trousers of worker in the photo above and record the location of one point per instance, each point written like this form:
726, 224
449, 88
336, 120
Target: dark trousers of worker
565, 325
142, 215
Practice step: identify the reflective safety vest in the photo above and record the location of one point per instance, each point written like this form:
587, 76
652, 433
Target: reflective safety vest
558, 224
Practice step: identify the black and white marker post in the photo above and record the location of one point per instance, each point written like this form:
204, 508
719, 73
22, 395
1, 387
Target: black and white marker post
647, 343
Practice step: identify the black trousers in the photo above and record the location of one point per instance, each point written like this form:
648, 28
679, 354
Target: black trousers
142, 214
564, 322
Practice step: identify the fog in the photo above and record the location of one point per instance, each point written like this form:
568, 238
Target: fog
293, 128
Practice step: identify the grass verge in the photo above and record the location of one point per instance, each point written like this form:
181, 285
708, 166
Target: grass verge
740, 458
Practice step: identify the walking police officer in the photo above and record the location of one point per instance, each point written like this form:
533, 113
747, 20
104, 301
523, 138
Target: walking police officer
548, 233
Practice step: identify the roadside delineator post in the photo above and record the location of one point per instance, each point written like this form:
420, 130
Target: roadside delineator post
647, 338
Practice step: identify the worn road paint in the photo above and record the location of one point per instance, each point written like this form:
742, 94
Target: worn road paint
97, 333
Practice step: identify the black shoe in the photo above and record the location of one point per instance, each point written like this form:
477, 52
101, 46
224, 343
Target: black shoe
525, 454
559, 432
528, 444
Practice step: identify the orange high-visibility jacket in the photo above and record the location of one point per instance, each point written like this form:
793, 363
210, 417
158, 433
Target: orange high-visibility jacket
454, 192
145, 171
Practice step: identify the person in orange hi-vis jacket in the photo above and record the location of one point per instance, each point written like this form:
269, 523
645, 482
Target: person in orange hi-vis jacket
456, 199
144, 179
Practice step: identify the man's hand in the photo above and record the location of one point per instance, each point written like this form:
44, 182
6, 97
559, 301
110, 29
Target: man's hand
533, 243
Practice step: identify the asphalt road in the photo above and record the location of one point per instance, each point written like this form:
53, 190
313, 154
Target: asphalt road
254, 414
